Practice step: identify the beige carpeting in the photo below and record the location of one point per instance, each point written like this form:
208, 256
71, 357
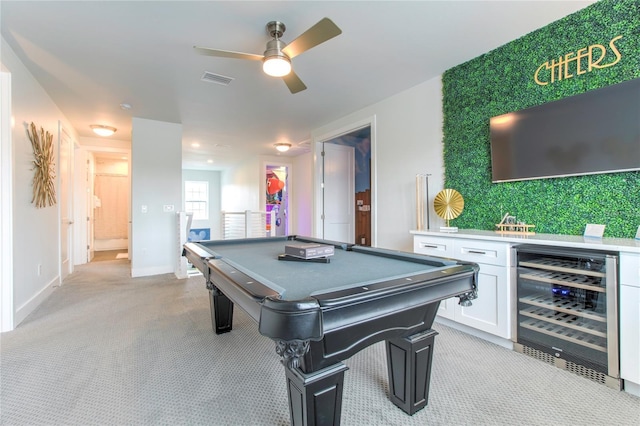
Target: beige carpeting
108, 349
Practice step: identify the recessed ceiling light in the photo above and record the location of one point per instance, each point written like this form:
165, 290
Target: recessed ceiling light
195, 145
125, 106
210, 161
102, 130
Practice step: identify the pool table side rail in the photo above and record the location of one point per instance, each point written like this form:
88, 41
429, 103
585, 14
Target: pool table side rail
401, 284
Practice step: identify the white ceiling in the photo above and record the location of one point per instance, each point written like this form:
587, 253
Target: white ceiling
91, 56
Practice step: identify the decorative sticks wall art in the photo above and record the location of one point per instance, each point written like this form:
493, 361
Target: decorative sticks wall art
44, 190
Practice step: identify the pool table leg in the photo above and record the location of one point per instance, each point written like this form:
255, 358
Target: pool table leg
409, 366
315, 399
221, 311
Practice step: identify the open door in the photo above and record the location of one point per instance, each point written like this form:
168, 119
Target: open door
277, 199
343, 187
338, 189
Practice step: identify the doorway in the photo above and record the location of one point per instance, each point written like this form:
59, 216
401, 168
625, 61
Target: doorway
277, 199
276, 189
110, 203
346, 217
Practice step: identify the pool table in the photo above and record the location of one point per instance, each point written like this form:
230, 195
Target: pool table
321, 312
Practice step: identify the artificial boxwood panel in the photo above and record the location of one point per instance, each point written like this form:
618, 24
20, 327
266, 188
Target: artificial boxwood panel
501, 81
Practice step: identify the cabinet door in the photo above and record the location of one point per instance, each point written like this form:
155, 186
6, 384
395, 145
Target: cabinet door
447, 308
630, 333
489, 312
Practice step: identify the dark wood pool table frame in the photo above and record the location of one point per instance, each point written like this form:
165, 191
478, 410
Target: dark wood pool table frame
314, 335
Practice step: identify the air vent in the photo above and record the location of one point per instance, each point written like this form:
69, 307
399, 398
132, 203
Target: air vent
216, 78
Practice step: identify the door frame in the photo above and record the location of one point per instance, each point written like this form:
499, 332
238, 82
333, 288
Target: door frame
6, 205
263, 187
84, 206
327, 135
65, 268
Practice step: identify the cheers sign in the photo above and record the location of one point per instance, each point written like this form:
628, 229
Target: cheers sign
579, 62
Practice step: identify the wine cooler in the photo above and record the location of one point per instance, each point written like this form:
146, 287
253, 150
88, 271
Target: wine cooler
566, 310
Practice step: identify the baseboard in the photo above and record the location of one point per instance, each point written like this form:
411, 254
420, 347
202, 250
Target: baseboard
156, 270
113, 244
23, 311
632, 388
505, 343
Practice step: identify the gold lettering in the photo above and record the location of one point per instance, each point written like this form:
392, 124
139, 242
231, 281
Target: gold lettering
567, 60
603, 51
615, 50
556, 67
535, 76
563, 69
582, 53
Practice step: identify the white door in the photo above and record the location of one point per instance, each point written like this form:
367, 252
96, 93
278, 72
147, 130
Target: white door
66, 203
338, 191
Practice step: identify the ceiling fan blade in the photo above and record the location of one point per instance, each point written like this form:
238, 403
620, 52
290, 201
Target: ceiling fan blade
227, 53
294, 83
324, 30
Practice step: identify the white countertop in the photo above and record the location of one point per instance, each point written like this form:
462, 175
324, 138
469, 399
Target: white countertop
609, 244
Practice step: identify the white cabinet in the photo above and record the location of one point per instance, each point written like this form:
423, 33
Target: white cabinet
490, 311
439, 247
630, 318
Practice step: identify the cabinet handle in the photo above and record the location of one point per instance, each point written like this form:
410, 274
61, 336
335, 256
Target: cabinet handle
477, 252
428, 246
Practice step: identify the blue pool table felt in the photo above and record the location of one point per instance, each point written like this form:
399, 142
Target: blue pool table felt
299, 280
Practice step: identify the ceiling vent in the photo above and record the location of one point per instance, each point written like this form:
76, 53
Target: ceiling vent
216, 78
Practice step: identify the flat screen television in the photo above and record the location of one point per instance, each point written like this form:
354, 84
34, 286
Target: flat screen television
594, 132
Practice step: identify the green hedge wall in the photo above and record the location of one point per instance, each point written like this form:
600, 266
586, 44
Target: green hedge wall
501, 81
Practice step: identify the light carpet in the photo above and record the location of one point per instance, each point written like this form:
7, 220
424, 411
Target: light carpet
108, 349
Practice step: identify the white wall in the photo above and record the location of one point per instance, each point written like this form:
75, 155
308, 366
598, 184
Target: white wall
241, 186
35, 230
213, 177
408, 142
302, 195
156, 181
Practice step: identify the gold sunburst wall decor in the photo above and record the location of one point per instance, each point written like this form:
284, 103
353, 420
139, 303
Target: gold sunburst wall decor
44, 189
448, 204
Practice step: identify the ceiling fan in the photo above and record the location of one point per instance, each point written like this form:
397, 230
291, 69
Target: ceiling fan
276, 60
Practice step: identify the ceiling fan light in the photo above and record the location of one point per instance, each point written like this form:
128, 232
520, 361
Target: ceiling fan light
276, 66
102, 130
283, 146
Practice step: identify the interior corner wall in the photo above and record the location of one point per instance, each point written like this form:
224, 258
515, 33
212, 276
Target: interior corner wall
302, 199
408, 141
501, 81
240, 188
213, 178
35, 275
156, 182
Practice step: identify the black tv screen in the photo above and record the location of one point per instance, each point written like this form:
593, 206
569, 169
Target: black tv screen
594, 132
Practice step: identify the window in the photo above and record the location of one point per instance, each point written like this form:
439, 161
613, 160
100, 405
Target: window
196, 199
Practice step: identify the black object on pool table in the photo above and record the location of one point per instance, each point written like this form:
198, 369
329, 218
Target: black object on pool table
308, 250
319, 316
323, 259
